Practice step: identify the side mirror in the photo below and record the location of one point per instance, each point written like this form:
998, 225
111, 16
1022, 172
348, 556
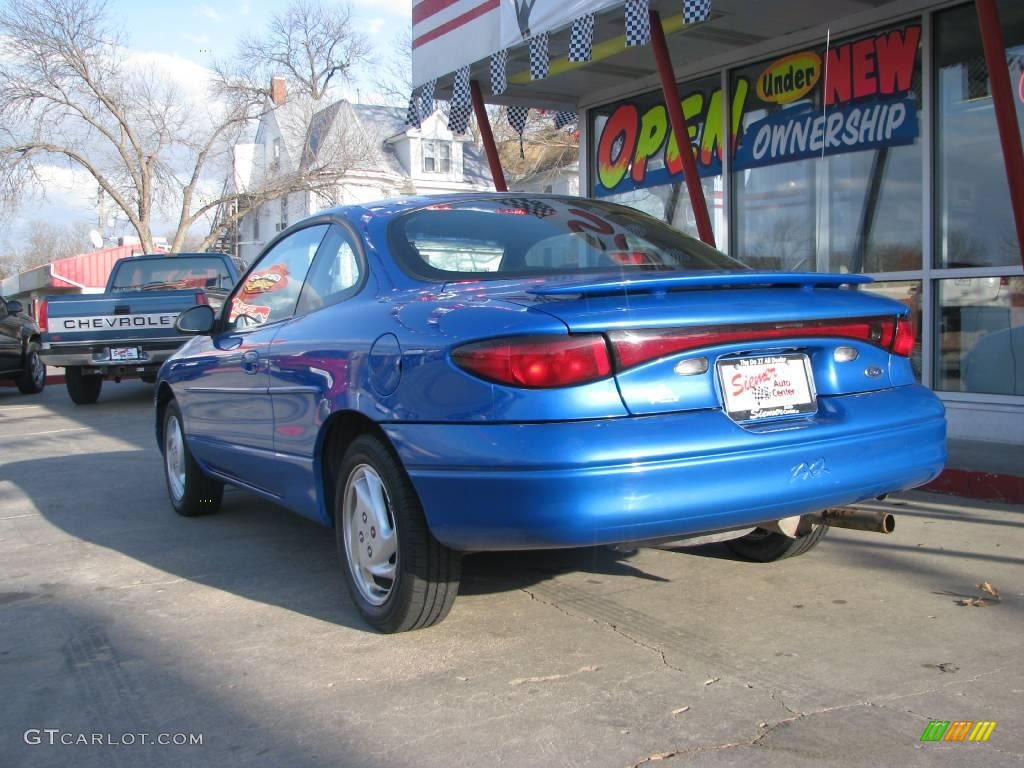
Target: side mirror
14, 307
196, 321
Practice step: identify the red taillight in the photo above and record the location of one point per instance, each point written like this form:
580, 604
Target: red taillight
44, 317
640, 346
906, 336
537, 361
201, 298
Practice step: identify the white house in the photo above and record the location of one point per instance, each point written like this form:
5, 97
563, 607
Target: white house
378, 155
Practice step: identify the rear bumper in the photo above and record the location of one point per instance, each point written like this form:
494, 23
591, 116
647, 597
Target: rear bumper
96, 355
528, 486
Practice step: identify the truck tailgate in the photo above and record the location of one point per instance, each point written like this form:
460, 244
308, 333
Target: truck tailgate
108, 318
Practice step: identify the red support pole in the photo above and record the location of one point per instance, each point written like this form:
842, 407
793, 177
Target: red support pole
680, 129
1006, 113
490, 148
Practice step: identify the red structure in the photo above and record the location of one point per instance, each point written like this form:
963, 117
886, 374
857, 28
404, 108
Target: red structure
1006, 114
680, 129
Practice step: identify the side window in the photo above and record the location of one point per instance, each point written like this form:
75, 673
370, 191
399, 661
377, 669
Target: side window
335, 273
270, 291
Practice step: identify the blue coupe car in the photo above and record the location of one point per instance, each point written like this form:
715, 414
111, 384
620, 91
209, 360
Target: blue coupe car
434, 376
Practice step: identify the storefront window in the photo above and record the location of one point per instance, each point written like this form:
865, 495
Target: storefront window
981, 336
973, 216
906, 292
637, 161
828, 162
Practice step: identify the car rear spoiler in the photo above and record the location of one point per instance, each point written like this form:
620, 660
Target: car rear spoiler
661, 282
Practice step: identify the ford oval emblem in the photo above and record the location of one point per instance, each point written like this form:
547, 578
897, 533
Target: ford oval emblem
873, 371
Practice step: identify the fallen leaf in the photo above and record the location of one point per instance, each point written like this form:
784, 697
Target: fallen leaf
680, 710
977, 602
711, 680
988, 589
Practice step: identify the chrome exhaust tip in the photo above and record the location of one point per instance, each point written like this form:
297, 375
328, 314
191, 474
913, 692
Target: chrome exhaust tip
855, 519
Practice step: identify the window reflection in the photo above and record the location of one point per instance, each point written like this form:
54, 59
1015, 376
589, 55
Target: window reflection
975, 223
829, 178
981, 335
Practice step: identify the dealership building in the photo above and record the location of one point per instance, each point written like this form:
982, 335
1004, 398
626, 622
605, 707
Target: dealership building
855, 136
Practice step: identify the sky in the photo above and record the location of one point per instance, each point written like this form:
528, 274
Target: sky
185, 39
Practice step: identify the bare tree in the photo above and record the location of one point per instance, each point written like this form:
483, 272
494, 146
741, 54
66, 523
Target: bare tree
43, 242
73, 95
310, 44
393, 77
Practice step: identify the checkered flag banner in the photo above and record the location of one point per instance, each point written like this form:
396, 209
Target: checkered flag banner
499, 72
460, 86
517, 118
537, 208
638, 23
412, 114
458, 113
565, 118
581, 39
458, 118
427, 98
695, 11
539, 59
761, 393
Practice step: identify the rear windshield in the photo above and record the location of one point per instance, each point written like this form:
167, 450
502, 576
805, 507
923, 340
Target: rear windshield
542, 235
173, 273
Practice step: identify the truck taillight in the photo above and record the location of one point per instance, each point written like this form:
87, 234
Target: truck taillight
201, 298
43, 316
537, 362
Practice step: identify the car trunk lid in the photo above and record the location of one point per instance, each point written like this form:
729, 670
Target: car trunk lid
708, 340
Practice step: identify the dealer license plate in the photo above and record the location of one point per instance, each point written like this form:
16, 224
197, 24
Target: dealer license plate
124, 353
762, 387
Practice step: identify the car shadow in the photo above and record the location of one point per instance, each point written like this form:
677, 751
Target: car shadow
251, 547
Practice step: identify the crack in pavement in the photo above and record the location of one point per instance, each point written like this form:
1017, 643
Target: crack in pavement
613, 627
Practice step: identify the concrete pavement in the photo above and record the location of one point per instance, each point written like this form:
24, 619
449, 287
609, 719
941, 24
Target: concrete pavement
117, 617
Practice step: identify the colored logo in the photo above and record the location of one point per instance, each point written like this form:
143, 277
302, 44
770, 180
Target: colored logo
790, 78
958, 730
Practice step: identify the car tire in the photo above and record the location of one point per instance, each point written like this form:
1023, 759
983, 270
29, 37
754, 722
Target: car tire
33, 379
83, 390
764, 546
191, 491
417, 577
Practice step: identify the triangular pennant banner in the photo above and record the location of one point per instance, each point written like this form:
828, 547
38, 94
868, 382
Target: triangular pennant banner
458, 118
412, 114
539, 59
460, 87
638, 23
581, 39
499, 72
517, 118
695, 11
427, 99
564, 118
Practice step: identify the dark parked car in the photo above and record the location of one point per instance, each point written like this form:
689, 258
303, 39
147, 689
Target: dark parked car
442, 375
19, 349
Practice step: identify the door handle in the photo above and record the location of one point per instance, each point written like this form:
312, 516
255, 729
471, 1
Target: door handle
251, 361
